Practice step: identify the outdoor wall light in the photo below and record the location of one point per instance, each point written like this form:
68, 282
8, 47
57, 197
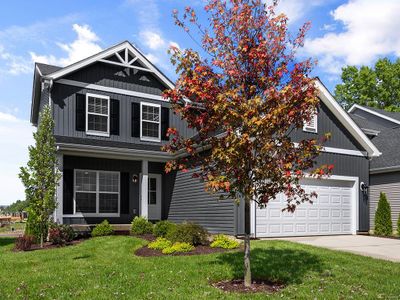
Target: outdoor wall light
135, 178
364, 188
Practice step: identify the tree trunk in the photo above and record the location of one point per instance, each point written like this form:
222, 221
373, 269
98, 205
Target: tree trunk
41, 240
247, 269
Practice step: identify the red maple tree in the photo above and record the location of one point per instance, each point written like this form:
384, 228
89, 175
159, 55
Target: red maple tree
245, 94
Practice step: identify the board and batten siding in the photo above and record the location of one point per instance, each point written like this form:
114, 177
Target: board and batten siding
64, 106
190, 202
388, 183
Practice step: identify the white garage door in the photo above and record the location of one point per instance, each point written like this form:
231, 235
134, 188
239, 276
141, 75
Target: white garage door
330, 213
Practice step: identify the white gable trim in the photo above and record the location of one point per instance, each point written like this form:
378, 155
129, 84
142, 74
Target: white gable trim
107, 53
345, 119
372, 112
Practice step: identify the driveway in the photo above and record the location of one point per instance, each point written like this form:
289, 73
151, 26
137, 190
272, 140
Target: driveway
383, 248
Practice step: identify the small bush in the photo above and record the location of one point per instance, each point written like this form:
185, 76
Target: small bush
190, 233
102, 229
141, 226
161, 228
178, 247
160, 244
398, 226
383, 220
61, 234
222, 241
24, 242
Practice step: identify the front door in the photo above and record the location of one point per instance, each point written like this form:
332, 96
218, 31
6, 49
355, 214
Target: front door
154, 197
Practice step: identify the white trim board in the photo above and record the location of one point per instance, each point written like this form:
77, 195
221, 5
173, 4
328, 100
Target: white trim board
107, 53
101, 88
372, 112
345, 119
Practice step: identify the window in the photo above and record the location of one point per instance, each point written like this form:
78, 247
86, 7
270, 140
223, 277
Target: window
152, 190
311, 126
97, 192
97, 115
150, 122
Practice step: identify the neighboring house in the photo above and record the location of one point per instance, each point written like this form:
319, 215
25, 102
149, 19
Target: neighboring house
383, 128
110, 124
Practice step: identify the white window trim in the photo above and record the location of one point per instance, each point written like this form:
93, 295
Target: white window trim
97, 192
146, 138
93, 132
312, 129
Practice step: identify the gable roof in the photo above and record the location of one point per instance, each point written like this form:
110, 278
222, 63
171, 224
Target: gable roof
386, 115
45, 69
327, 98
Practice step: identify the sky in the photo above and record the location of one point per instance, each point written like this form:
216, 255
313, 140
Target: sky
344, 32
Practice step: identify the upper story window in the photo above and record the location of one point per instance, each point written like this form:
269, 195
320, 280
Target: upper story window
312, 125
97, 115
150, 122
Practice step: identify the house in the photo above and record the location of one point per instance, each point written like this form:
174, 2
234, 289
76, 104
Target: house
110, 124
383, 129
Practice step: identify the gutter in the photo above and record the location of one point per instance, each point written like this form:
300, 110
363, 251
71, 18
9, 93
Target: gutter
385, 170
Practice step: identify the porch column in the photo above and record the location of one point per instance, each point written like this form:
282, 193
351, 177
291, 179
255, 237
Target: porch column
144, 206
58, 213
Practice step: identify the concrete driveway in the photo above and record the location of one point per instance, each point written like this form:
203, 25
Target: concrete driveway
383, 248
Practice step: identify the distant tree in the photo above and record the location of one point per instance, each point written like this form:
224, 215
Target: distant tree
40, 177
375, 87
18, 207
383, 218
249, 87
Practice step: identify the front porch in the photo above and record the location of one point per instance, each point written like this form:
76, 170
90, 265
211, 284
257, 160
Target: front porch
93, 189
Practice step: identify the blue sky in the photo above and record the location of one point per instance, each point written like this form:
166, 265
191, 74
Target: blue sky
355, 32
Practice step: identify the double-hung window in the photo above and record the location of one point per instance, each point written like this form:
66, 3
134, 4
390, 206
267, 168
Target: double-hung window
97, 193
97, 115
150, 119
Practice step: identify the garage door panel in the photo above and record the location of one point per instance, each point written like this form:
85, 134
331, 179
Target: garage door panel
330, 213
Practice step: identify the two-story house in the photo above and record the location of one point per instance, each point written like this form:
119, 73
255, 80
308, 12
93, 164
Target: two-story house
110, 124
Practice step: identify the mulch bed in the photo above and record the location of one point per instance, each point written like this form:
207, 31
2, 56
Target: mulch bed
258, 286
48, 245
147, 252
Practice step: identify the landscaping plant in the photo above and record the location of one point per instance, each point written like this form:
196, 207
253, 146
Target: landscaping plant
398, 225
188, 232
141, 225
178, 248
225, 242
61, 234
246, 84
102, 229
24, 242
161, 228
40, 178
383, 219
160, 244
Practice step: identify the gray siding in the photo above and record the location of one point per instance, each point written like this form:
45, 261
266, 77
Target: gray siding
190, 202
389, 183
64, 115
328, 123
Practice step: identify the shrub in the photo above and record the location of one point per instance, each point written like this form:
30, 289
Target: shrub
398, 225
222, 241
102, 229
160, 244
24, 242
141, 226
178, 247
190, 233
383, 220
161, 228
61, 234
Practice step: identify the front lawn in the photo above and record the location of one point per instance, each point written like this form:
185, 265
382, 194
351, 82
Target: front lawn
106, 268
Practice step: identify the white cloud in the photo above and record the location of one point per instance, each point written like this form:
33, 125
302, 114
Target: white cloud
86, 44
152, 40
14, 64
16, 135
370, 30
295, 10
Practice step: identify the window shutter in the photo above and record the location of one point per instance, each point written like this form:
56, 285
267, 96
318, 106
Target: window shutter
164, 123
68, 191
80, 112
124, 209
114, 117
135, 129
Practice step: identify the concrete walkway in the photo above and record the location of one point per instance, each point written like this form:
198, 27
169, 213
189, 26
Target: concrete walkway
383, 248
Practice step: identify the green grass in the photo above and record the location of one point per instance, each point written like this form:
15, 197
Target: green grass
20, 226
106, 268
